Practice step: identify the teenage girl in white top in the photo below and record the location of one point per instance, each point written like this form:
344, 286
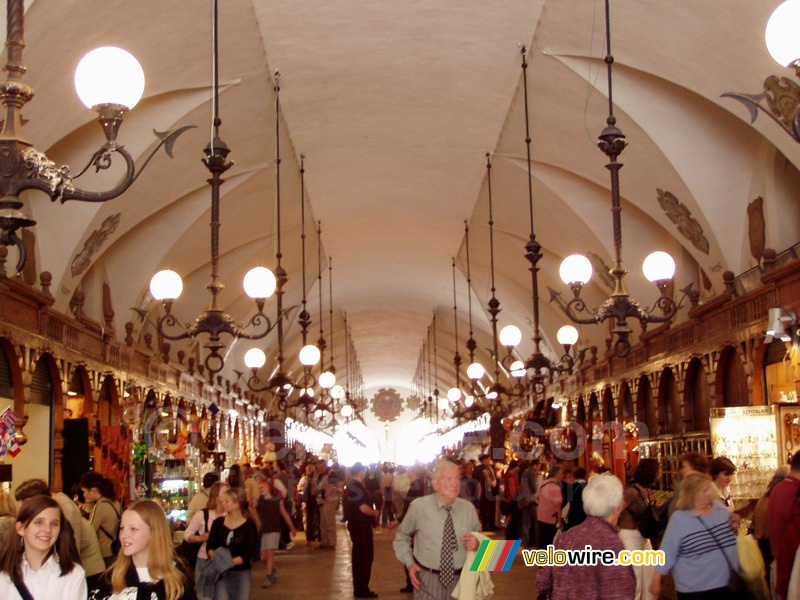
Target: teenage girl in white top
37, 562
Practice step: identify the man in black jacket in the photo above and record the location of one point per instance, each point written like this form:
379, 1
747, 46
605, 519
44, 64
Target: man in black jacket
360, 515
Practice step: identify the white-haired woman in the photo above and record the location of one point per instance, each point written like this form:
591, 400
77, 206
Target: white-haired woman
602, 501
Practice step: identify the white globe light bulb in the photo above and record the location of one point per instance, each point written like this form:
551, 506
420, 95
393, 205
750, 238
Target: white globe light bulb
255, 358
518, 369
491, 395
337, 392
567, 335
443, 404
510, 335
658, 266
576, 268
166, 285
308, 392
780, 34
469, 401
309, 355
327, 380
475, 371
347, 411
259, 282
109, 75
454, 394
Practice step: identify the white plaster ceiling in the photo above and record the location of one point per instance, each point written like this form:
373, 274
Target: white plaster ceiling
393, 105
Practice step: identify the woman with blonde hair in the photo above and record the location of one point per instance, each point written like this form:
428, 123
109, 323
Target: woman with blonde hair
146, 565
38, 562
8, 515
234, 537
699, 545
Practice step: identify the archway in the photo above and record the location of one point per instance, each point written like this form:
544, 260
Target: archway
644, 400
669, 416
731, 381
695, 394
77, 410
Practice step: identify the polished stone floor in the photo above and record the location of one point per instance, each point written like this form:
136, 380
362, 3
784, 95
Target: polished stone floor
305, 572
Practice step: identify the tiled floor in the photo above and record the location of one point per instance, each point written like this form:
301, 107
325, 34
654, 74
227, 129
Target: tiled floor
305, 572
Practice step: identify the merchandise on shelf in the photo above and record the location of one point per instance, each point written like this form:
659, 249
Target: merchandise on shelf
748, 436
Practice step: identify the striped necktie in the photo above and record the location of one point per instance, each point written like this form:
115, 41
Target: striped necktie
449, 545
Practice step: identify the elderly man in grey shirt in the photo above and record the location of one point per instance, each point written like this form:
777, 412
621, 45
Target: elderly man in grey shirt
440, 526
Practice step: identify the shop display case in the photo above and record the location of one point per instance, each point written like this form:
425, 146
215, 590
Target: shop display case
748, 435
174, 495
668, 450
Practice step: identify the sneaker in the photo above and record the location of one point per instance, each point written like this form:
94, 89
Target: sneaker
290, 545
267, 582
274, 577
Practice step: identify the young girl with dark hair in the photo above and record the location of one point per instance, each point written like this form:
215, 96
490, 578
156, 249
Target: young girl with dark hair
37, 562
146, 565
105, 513
238, 533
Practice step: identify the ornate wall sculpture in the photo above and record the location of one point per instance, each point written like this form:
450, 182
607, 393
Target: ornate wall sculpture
387, 404
683, 219
98, 237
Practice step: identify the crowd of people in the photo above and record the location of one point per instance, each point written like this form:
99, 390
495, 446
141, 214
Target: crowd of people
91, 546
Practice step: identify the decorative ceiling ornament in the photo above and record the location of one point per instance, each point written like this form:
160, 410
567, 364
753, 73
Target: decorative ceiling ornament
387, 404
782, 97
756, 228
413, 402
683, 219
95, 241
602, 269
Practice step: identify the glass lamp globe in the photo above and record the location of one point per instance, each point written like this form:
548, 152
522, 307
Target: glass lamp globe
307, 392
658, 266
491, 395
327, 380
319, 413
337, 392
567, 335
109, 75
259, 282
255, 358
469, 401
780, 34
309, 355
347, 411
475, 371
518, 369
454, 394
576, 268
510, 335
166, 285
443, 403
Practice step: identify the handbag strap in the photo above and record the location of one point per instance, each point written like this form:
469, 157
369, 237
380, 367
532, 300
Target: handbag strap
23, 591
713, 537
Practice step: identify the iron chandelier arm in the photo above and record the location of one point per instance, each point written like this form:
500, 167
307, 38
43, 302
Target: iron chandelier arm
101, 160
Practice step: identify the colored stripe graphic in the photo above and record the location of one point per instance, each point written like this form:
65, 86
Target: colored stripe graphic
495, 555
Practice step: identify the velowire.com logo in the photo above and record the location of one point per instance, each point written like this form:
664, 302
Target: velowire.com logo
495, 555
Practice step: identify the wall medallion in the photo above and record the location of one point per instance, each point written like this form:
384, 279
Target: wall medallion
90, 247
683, 219
387, 404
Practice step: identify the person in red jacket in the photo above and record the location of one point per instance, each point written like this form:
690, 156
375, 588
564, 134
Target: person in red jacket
780, 514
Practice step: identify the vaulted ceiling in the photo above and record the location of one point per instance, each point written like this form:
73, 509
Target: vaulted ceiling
394, 105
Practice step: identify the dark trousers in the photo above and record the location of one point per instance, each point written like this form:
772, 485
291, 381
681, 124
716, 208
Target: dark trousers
312, 520
487, 510
545, 532
361, 536
285, 535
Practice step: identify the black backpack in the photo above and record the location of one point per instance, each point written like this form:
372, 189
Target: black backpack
648, 521
115, 543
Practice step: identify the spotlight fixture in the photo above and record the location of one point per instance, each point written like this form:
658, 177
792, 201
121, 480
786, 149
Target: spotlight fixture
259, 283
576, 270
109, 81
781, 95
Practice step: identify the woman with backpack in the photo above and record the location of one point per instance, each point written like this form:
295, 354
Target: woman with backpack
637, 521
200, 525
105, 513
38, 562
146, 566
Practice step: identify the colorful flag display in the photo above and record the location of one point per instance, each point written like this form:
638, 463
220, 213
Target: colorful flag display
8, 443
495, 555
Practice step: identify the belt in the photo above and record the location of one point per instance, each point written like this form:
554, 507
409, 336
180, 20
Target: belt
436, 572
